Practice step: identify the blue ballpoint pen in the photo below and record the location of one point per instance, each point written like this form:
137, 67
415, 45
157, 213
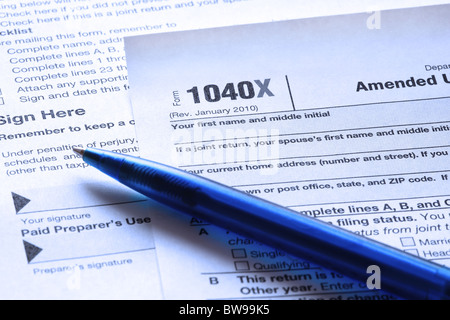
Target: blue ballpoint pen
402, 274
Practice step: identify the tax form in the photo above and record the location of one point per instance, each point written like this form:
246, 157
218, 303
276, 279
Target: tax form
64, 83
342, 118
67, 231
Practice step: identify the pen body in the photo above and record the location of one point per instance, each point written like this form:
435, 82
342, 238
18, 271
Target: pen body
403, 274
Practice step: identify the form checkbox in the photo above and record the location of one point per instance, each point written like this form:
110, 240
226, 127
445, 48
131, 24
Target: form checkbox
412, 251
242, 266
238, 253
408, 242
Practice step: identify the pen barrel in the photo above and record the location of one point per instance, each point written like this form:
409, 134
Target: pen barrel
304, 237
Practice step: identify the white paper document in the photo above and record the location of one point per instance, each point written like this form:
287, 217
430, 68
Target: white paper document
328, 116
69, 232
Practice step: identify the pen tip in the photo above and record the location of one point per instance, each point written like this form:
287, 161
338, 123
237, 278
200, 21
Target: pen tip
79, 151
